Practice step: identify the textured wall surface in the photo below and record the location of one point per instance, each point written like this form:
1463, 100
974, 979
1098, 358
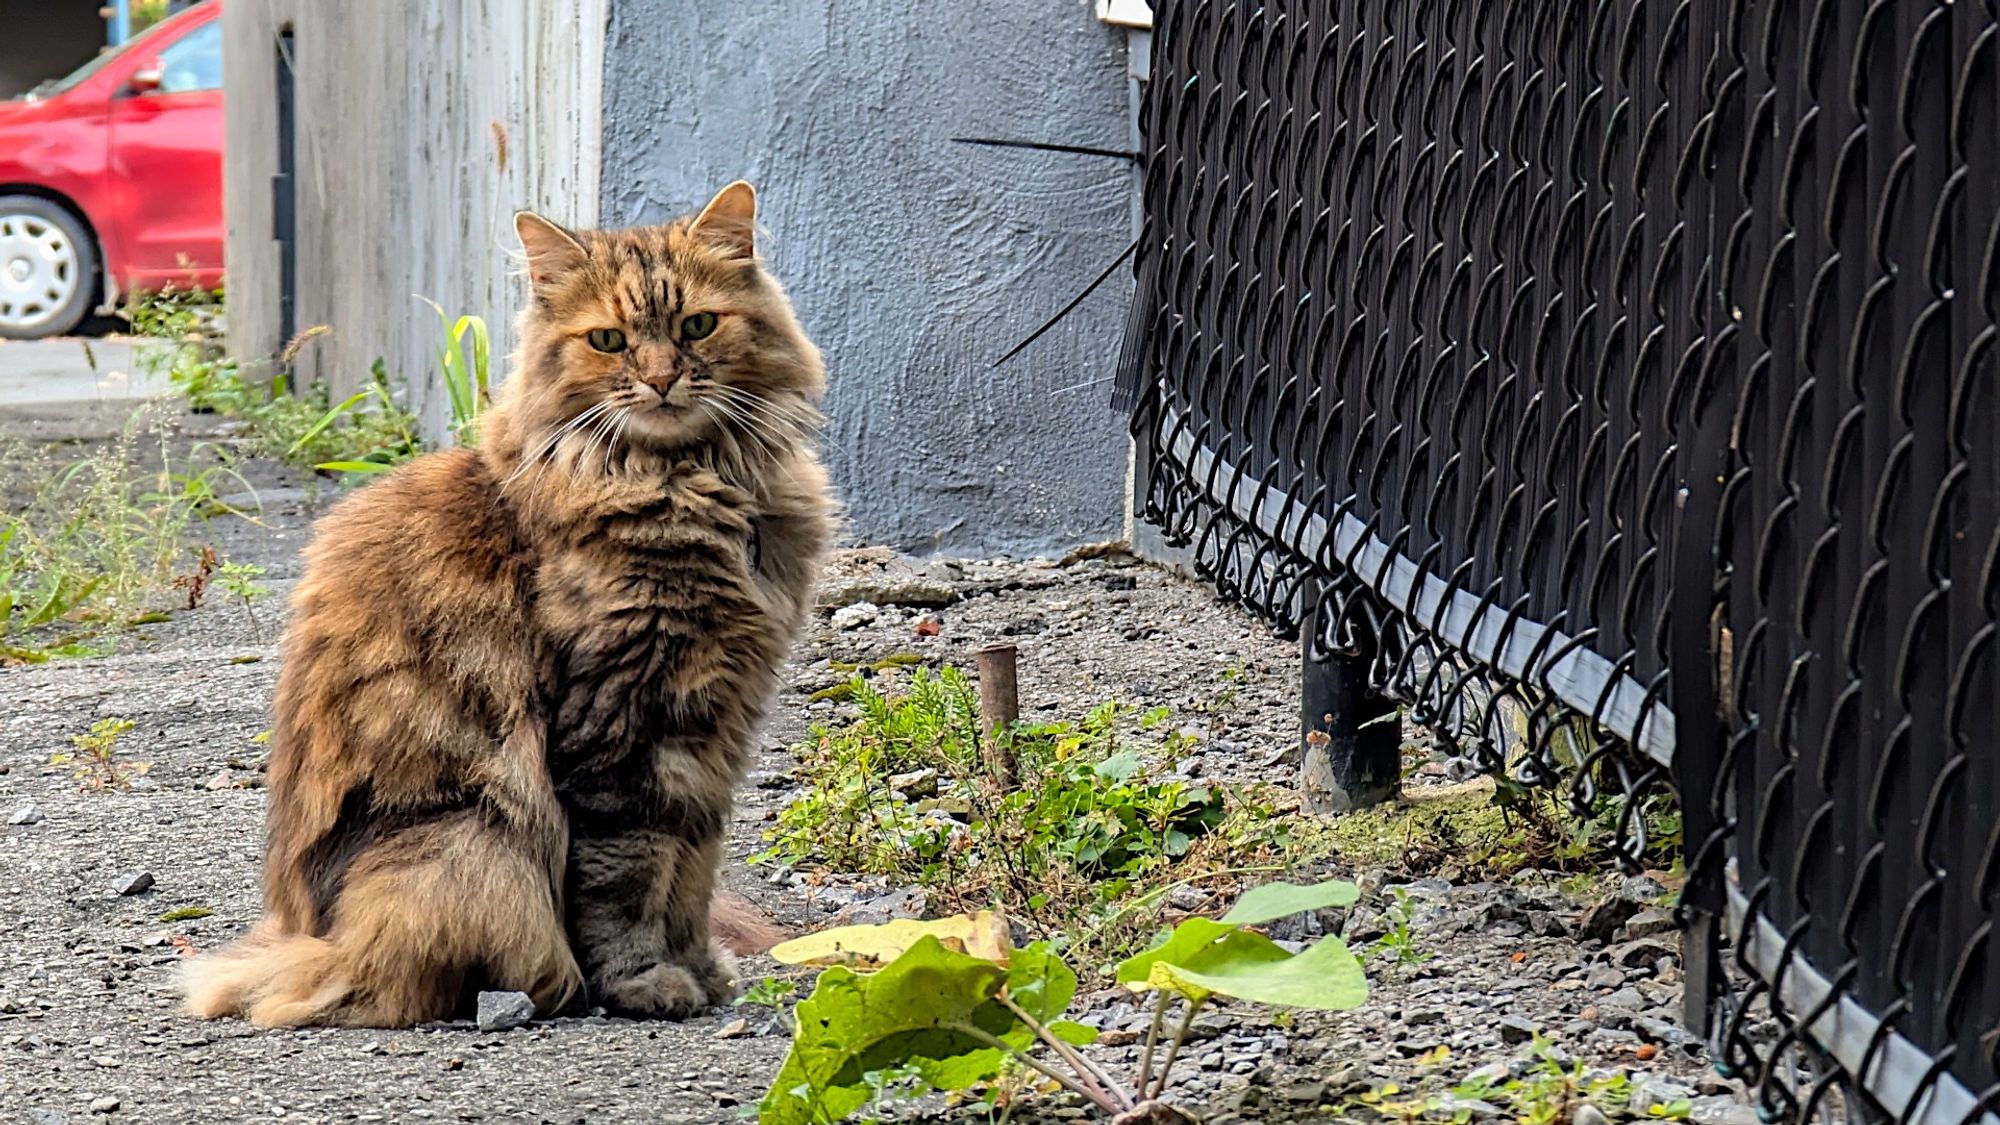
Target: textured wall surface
914, 262
403, 186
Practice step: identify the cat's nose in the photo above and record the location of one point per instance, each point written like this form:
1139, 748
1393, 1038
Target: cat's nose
659, 384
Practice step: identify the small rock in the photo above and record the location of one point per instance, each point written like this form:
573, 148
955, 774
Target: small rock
1604, 976
734, 1029
856, 615
39, 1116
1657, 1091
26, 814
1514, 1029
504, 1011
916, 783
1609, 1037
1307, 1093
133, 883
894, 587
1649, 923
1659, 1031
1492, 1074
105, 1104
1641, 889
1587, 1114
1547, 923
1630, 999
1471, 1109
1602, 921
1644, 953
1721, 1109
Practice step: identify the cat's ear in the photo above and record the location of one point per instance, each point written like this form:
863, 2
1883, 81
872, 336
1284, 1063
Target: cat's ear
552, 251
729, 222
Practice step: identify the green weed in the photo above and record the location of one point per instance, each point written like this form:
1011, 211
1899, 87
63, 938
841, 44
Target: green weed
1089, 827
770, 992
1399, 943
95, 758
85, 545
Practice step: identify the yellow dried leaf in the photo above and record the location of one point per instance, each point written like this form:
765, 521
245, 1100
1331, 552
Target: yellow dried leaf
983, 935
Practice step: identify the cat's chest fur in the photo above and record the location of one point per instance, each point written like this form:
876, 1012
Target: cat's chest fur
661, 631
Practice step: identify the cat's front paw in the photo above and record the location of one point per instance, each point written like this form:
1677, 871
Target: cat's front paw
671, 991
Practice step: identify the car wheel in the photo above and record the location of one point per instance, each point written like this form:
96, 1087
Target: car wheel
48, 268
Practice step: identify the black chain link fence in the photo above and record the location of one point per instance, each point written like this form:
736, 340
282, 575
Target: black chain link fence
1628, 365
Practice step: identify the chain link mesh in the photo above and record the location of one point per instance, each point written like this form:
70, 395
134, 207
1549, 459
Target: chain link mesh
1626, 367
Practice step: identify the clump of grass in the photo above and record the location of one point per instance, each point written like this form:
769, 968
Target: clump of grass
94, 544
1092, 831
369, 431
95, 757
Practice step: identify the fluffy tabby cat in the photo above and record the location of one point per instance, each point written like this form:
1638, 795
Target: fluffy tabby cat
521, 681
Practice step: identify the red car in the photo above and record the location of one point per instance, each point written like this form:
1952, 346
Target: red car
111, 178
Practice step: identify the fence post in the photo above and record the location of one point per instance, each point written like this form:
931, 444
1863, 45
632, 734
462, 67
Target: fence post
1352, 737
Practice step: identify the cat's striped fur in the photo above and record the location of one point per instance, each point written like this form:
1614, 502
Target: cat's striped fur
521, 682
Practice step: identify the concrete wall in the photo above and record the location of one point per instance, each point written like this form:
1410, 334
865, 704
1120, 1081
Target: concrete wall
914, 262
403, 187
40, 39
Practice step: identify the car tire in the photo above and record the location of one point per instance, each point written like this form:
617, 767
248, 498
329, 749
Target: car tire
48, 268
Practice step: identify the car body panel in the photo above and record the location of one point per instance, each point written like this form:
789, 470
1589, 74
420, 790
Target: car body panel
143, 167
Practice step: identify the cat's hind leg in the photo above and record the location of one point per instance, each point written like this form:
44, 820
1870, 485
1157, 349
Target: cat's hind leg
418, 914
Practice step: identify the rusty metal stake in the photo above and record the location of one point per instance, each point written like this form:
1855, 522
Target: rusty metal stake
999, 706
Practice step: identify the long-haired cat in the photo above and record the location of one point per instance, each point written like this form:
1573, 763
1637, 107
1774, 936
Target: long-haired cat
521, 681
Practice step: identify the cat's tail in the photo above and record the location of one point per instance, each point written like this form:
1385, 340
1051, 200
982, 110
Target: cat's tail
740, 927
270, 978
350, 979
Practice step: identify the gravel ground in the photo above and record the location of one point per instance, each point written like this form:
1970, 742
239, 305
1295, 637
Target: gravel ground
88, 1025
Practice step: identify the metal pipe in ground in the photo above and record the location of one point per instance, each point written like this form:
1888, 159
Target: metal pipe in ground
1351, 737
999, 706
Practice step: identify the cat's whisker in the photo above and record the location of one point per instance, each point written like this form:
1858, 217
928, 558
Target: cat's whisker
784, 428
598, 433
617, 438
798, 414
551, 445
732, 413
548, 446
768, 436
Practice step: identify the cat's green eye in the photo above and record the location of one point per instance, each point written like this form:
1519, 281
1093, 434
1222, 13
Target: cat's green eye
607, 340
694, 326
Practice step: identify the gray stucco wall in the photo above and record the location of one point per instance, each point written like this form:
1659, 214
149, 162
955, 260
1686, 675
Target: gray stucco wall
914, 262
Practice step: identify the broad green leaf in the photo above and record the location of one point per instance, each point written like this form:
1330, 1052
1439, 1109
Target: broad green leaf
1273, 901
1039, 983
1191, 946
983, 935
1074, 1034
1325, 976
354, 466
1120, 766
932, 1009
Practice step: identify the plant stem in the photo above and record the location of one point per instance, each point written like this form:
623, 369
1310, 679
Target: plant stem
1083, 1066
1152, 1040
1174, 1048
1098, 1098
